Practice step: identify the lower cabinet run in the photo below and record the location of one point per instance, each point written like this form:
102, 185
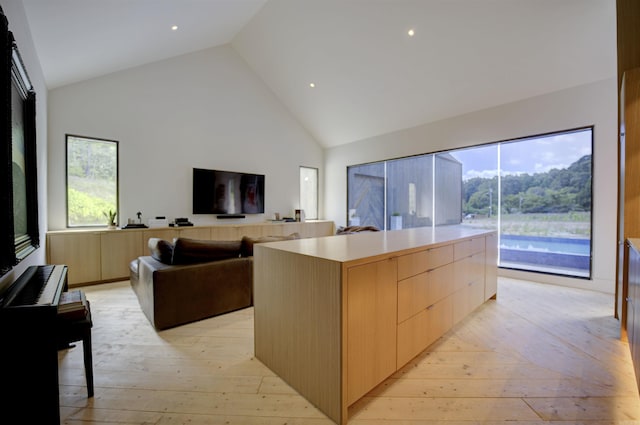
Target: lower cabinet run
336, 316
104, 255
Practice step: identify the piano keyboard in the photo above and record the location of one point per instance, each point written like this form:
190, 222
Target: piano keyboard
38, 285
48, 294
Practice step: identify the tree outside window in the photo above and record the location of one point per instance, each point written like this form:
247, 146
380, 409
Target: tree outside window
92, 181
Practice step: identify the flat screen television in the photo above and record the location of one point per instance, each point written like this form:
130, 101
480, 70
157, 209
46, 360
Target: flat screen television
227, 192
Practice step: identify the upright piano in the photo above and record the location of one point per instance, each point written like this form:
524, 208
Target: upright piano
28, 345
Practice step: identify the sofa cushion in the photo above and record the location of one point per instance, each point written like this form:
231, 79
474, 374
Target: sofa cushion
161, 250
191, 251
248, 242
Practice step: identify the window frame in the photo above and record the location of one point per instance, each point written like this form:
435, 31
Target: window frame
66, 176
590, 128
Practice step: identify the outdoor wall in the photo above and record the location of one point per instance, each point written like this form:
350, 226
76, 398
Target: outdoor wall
18, 24
205, 109
593, 104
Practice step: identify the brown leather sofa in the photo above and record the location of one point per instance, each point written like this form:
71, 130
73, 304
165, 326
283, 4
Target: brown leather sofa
190, 279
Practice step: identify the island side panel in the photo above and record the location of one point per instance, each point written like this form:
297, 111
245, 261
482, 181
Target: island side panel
297, 314
491, 276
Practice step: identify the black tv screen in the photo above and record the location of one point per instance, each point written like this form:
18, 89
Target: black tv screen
227, 192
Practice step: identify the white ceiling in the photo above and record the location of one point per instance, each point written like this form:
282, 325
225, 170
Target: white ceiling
371, 77
81, 39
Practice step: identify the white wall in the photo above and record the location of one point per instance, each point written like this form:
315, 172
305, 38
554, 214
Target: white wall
18, 24
594, 104
205, 109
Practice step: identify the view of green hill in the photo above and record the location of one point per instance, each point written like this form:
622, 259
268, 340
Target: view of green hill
555, 191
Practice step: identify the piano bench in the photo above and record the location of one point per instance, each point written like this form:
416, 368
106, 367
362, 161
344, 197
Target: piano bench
72, 330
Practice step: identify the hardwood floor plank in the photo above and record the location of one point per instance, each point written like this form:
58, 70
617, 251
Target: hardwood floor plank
77, 416
204, 403
444, 409
490, 387
586, 408
539, 354
174, 382
275, 385
239, 420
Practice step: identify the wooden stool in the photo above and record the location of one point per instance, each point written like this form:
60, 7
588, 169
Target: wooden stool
72, 330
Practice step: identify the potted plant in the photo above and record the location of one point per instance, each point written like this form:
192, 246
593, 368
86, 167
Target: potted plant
396, 221
111, 219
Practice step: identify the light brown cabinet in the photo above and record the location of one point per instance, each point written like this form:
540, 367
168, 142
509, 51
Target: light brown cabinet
420, 291
468, 277
424, 307
371, 322
117, 249
80, 252
104, 255
396, 293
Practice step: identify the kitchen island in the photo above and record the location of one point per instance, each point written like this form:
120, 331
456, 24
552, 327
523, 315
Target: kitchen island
337, 315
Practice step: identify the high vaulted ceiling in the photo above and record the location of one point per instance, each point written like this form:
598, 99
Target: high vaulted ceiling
371, 77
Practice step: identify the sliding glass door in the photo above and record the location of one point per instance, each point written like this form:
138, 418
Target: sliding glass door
535, 191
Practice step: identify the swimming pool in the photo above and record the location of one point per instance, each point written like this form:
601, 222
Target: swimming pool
565, 254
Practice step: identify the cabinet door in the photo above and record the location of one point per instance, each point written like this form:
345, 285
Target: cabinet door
421, 330
412, 337
371, 326
418, 292
321, 228
117, 249
440, 283
469, 269
203, 233
468, 247
289, 228
80, 252
226, 233
462, 273
412, 296
422, 261
467, 299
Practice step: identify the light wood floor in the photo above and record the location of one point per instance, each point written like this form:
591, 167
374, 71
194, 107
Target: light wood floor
539, 354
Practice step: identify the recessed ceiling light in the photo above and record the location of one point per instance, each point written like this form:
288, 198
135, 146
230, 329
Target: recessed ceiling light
312, 85
174, 28
411, 32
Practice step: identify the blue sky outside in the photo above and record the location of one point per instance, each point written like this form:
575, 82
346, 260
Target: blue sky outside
534, 155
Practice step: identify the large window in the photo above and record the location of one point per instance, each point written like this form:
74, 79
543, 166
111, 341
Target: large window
366, 193
92, 181
535, 191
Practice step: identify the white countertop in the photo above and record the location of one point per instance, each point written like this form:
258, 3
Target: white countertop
351, 247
